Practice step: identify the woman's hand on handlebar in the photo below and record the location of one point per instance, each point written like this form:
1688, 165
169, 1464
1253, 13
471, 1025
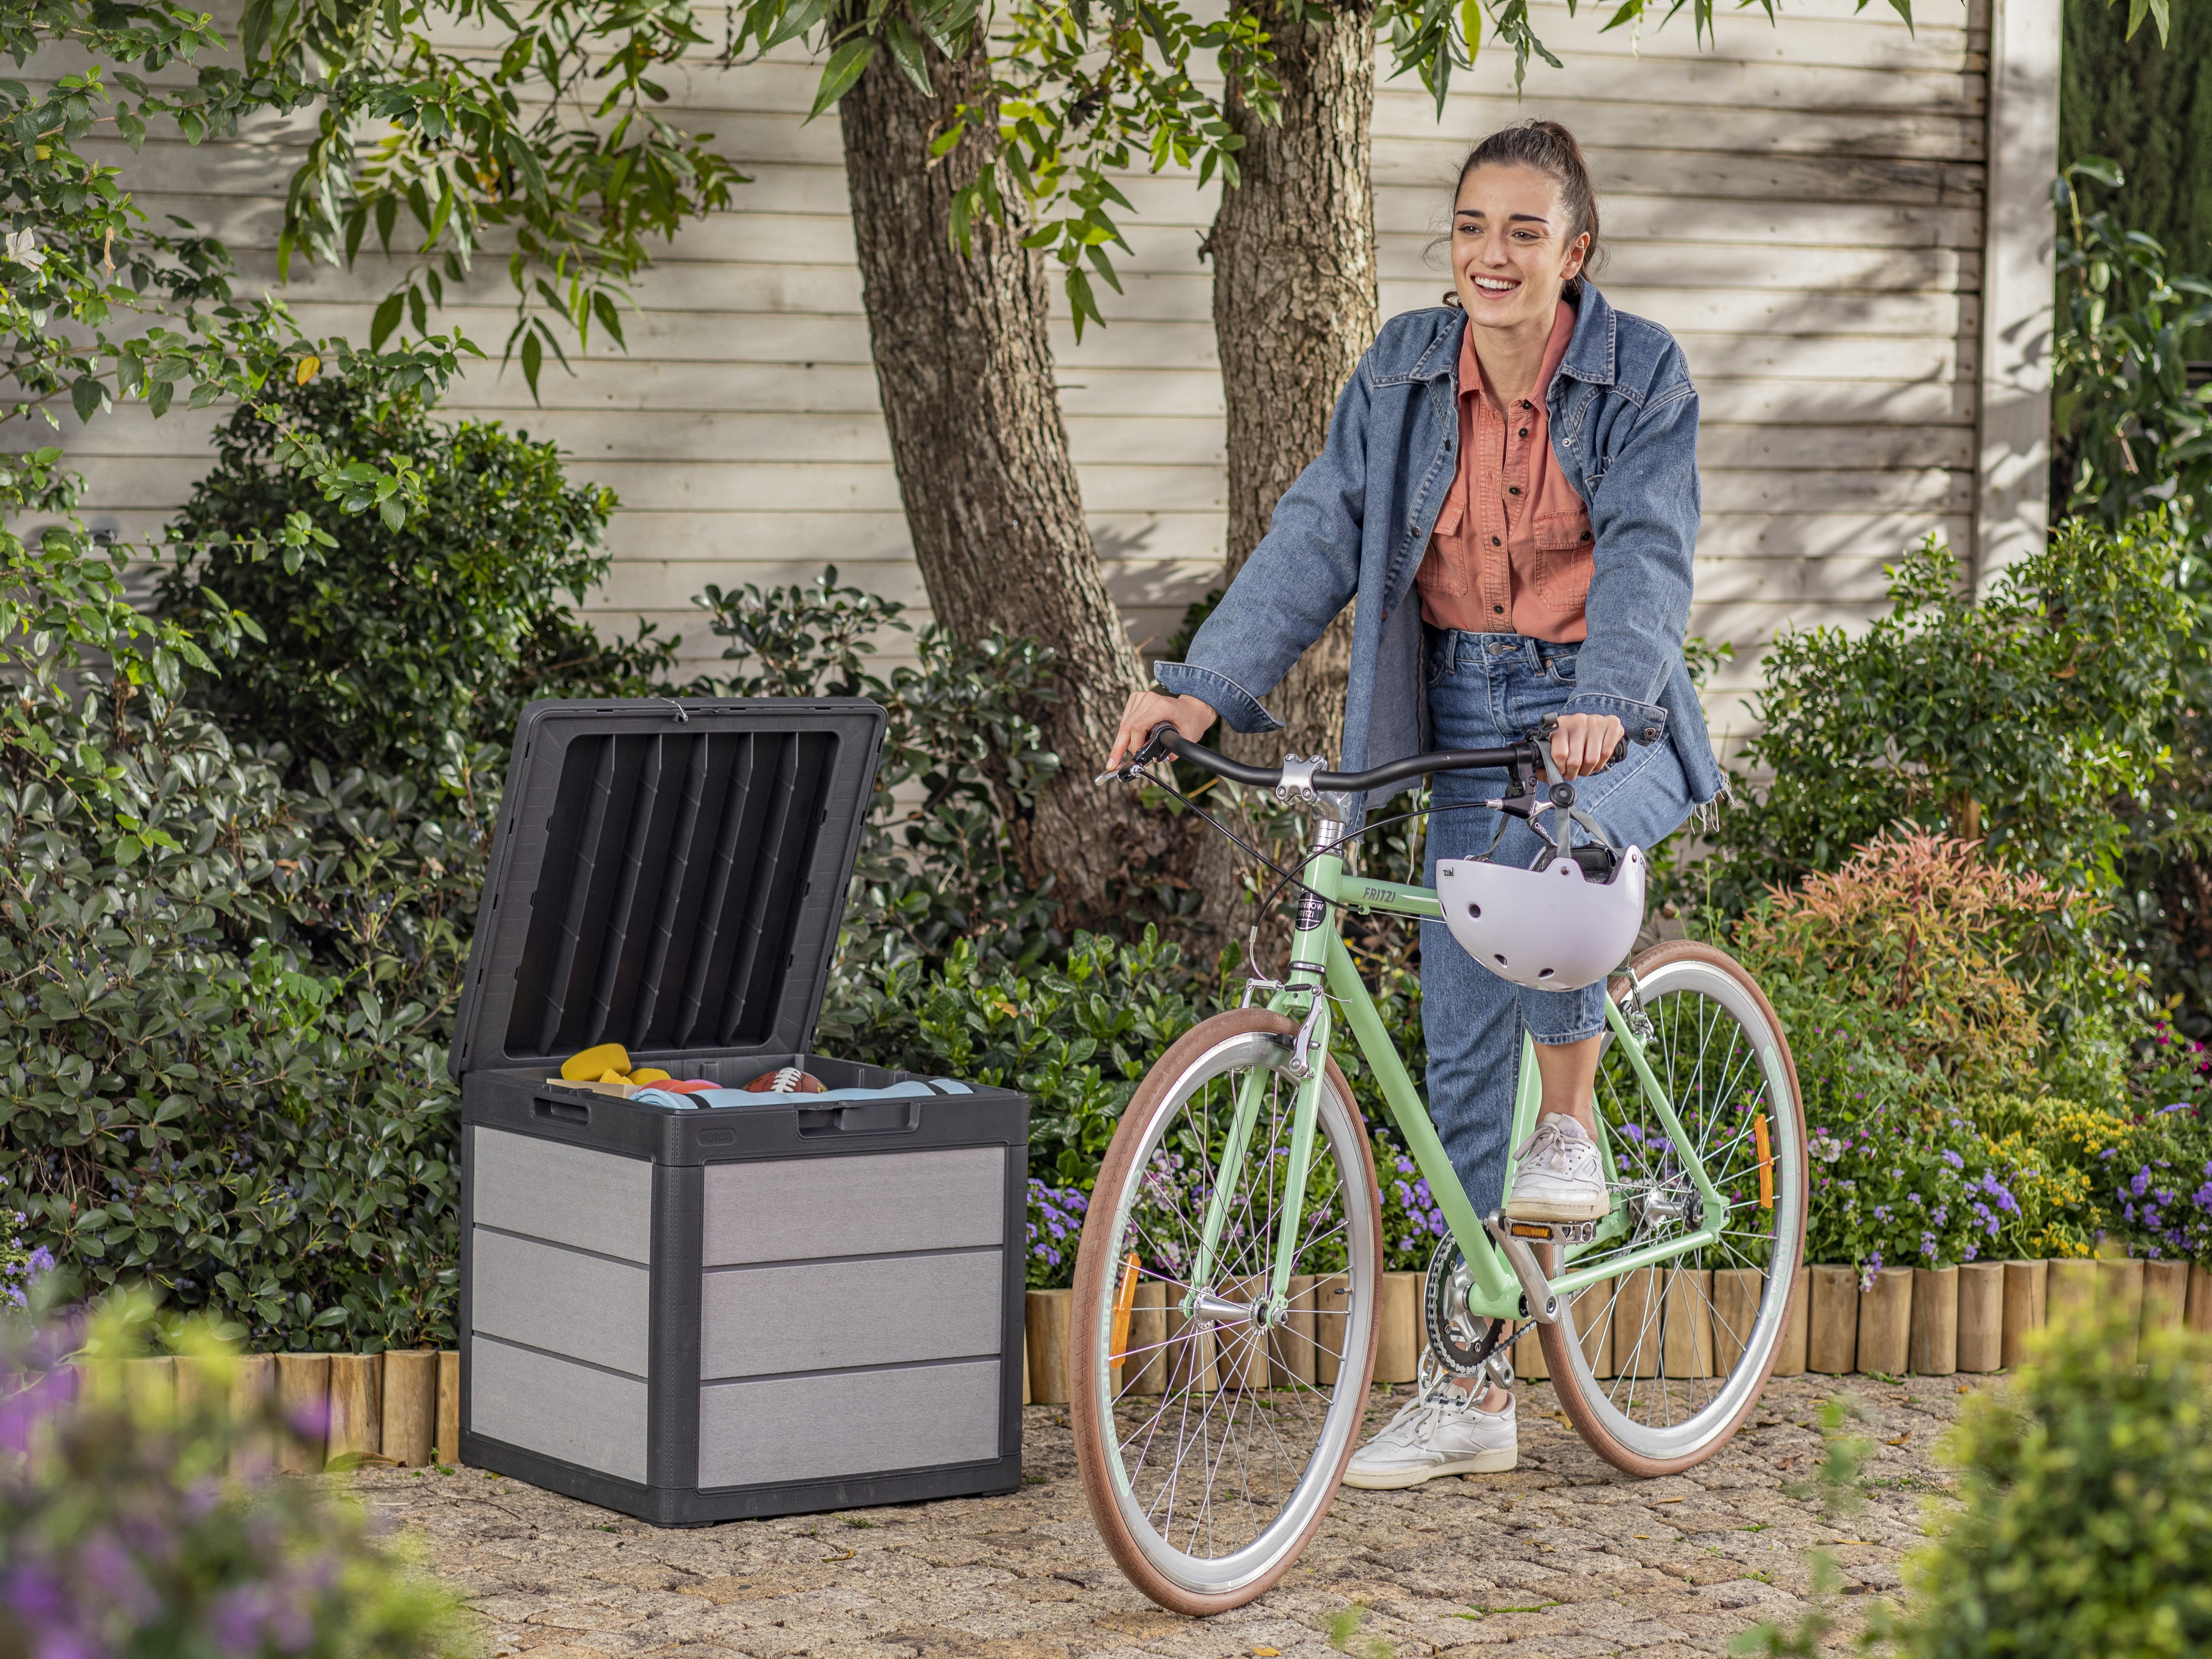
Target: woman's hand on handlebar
1190, 716
1582, 743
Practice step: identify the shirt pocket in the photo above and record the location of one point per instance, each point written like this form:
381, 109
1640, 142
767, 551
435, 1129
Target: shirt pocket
1566, 554
1443, 570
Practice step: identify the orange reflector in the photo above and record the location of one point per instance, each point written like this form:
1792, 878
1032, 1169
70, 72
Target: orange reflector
1527, 1229
1124, 1298
1765, 1161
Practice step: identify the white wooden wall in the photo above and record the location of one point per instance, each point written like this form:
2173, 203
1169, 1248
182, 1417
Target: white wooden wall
1803, 205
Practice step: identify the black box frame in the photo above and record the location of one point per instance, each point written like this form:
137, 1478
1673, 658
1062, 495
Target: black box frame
823, 757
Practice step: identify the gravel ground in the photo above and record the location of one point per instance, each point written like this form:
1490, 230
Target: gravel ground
1562, 1557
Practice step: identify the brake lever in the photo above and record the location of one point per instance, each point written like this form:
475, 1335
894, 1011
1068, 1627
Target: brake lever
1153, 750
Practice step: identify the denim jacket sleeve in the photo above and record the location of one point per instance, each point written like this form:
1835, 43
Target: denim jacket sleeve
1303, 572
1645, 514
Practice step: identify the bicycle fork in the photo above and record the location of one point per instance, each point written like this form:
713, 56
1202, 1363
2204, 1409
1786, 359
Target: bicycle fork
1304, 993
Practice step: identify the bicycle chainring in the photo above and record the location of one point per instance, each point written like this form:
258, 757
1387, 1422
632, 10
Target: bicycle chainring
1459, 1341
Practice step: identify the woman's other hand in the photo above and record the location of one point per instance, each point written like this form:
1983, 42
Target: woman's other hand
1582, 744
1190, 716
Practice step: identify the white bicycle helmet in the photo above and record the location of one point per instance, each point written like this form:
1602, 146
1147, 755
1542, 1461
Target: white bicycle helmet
1551, 928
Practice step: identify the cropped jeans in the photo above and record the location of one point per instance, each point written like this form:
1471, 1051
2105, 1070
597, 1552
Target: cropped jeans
1485, 691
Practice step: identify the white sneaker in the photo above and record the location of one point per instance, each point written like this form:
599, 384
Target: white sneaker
1560, 1177
1441, 1433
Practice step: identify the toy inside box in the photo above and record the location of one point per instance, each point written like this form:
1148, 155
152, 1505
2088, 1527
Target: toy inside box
696, 1303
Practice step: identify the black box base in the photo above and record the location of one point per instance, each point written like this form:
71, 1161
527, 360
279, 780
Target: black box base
662, 1506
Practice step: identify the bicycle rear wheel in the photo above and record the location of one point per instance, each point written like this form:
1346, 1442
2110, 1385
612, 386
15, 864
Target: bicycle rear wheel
1211, 1440
1661, 1364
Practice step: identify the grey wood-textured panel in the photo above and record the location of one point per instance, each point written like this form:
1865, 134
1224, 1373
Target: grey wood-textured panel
570, 1194
563, 1301
591, 1419
831, 1315
811, 1428
864, 1204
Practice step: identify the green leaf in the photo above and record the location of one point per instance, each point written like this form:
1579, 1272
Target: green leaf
844, 68
907, 51
534, 359
88, 397
603, 307
386, 319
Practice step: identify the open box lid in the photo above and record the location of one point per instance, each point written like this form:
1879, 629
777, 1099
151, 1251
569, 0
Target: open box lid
669, 876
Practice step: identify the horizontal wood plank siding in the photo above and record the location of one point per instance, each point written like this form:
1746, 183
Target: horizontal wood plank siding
1801, 204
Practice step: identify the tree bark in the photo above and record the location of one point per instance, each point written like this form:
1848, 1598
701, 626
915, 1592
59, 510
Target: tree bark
1295, 304
964, 368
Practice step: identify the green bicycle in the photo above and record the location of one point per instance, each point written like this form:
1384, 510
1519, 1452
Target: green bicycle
1227, 1288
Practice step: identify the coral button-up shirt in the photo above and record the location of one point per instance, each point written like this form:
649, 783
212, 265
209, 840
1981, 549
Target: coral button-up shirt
1511, 553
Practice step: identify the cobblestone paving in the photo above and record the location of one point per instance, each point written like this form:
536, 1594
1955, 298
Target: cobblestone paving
1560, 1559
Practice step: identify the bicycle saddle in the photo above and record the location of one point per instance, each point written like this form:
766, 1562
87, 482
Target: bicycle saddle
1554, 928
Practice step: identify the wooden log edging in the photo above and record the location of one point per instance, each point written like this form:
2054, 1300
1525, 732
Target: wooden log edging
402, 1407
1972, 1319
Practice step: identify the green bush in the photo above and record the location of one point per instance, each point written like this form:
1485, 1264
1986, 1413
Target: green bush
393, 650
2146, 102
2084, 1521
2128, 432
127, 1533
2017, 718
1962, 1039
223, 1002
1077, 1036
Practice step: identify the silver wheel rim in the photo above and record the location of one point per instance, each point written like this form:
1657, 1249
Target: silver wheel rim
1217, 1487
1669, 1400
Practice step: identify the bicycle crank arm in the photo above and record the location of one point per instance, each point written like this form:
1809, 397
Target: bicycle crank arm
1535, 1292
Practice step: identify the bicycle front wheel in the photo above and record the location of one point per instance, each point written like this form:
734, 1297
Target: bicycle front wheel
1661, 1364
1211, 1428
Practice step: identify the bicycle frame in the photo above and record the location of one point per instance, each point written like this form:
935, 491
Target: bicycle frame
1321, 974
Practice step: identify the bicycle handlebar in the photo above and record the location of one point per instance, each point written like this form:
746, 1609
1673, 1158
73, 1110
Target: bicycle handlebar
1526, 757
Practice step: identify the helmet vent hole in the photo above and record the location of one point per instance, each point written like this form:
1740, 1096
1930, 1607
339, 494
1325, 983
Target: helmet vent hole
1546, 973
1474, 911
1499, 960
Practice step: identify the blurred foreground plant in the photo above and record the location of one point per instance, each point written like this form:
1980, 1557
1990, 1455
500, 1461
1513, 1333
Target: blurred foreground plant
143, 1525
2083, 1525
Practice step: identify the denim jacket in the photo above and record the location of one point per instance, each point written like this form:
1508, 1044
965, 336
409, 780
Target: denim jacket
1357, 522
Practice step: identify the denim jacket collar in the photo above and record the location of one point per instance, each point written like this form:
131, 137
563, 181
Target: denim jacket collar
1590, 354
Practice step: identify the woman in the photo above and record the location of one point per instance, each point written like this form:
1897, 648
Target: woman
1509, 492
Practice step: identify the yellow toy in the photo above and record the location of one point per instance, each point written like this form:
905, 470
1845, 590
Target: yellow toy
609, 1062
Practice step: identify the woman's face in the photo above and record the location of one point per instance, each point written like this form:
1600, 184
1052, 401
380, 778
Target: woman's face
1510, 252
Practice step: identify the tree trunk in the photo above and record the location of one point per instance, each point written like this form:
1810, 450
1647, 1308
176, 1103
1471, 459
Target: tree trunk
964, 368
1295, 304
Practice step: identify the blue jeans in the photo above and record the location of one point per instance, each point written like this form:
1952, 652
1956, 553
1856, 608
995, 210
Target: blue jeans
1486, 690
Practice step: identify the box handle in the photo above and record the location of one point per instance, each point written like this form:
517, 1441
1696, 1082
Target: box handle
870, 1117
563, 1111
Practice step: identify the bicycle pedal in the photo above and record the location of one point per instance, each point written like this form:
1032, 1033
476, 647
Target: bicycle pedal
1553, 1232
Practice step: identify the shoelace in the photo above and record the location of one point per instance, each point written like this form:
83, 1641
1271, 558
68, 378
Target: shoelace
1422, 1411
1544, 1137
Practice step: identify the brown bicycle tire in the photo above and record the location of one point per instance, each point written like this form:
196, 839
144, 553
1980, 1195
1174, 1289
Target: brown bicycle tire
1092, 1266
1555, 1338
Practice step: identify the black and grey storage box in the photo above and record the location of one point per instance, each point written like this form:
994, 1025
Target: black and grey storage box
807, 1302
